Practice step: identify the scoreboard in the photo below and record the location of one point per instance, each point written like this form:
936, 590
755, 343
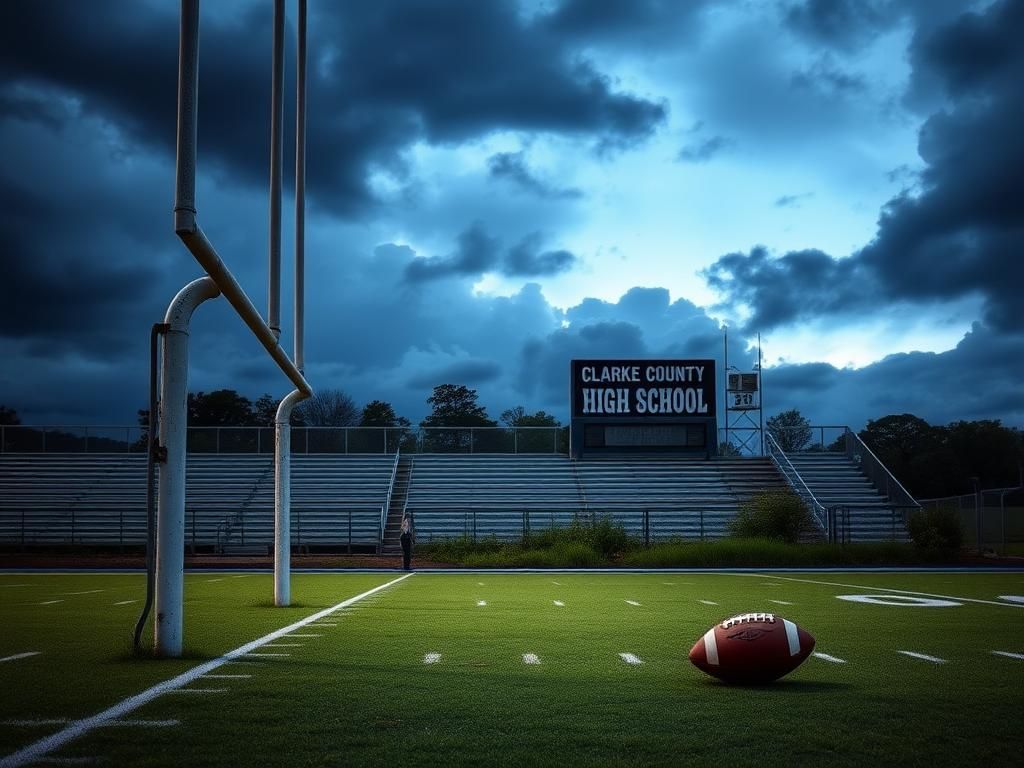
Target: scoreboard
643, 406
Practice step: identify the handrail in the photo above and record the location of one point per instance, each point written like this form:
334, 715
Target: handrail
387, 501
853, 441
774, 452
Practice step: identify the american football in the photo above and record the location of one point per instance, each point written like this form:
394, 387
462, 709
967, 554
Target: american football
751, 649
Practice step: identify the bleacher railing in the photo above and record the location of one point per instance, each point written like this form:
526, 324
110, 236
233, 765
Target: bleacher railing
305, 440
785, 466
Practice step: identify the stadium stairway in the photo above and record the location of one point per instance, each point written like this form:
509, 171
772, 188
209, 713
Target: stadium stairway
837, 481
396, 508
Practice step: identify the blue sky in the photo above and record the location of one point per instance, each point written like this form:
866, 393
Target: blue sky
498, 187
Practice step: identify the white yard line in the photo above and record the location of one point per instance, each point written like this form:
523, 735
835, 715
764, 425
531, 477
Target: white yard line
34, 752
630, 658
210, 581
1009, 655
531, 658
51, 602
12, 586
294, 635
266, 655
707, 602
17, 656
923, 657
431, 658
826, 657
126, 602
199, 690
632, 602
885, 589
283, 645
226, 677
86, 592
780, 602
559, 603
108, 724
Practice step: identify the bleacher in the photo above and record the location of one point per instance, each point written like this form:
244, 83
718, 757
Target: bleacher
99, 499
653, 498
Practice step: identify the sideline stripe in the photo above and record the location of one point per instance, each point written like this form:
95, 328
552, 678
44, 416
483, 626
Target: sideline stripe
885, 589
1009, 655
431, 658
923, 657
17, 656
34, 752
630, 658
826, 657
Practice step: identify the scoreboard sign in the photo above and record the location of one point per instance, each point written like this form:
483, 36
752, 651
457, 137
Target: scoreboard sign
630, 406
643, 388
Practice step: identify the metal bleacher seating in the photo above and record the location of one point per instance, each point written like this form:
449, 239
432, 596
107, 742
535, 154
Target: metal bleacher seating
503, 497
99, 499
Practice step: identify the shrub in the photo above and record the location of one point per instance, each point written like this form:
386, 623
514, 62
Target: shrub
775, 514
936, 530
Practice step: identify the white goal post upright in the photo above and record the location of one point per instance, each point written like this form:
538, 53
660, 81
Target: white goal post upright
168, 618
282, 421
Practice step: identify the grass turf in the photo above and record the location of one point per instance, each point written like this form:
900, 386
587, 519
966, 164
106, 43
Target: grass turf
361, 694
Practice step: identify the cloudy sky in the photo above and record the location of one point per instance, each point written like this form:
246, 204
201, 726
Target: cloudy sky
496, 187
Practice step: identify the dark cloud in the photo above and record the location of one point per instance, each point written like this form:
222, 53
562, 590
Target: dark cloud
383, 75
840, 23
511, 166
469, 372
961, 234
703, 150
792, 201
626, 23
825, 76
479, 253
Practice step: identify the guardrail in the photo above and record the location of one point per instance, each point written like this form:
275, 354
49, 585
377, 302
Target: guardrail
785, 466
338, 440
387, 501
878, 473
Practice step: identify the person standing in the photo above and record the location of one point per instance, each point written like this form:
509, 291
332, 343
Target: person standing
406, 540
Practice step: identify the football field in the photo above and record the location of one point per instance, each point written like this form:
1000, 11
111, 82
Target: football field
490, 668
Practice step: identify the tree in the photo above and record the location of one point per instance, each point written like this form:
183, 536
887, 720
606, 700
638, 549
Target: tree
790, 429
377, 413
329, 408
220, 408
511, 417
9, 416
454, 405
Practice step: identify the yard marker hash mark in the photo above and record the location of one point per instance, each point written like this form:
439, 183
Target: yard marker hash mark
707, 602
86, 592
431, 658
826, 657
559, 603
198, 690
630, 658
126, 602
531, 658
923, 657
283, 645
17, 656
51, 602
38, 750
481, 603
779, 602
997, 653
633, 602
294, 635
268, 655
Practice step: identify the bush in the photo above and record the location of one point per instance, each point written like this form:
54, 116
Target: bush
936, 530
776, 514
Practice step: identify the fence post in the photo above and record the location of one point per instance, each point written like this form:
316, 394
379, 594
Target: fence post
350, 514
471, 451
350, 511
554, 441
259, 440
515, 440
702, 523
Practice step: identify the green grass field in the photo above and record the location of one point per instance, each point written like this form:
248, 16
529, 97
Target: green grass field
355, 689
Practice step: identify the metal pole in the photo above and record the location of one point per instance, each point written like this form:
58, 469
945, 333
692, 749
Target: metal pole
300, 192
725, 387
170, 553
283, 497
276, 150
760, 386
